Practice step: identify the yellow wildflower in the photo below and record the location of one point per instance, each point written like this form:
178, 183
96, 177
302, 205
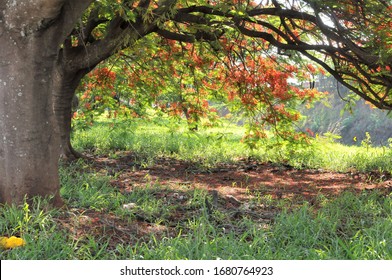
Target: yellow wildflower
11, 242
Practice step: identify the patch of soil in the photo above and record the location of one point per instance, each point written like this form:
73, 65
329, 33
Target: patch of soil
232, 187
242, 178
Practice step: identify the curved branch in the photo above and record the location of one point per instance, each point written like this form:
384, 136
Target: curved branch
92, 22
176, 36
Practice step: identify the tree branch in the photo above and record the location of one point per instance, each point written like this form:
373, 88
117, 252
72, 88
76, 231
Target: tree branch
71, 12
119, 35
331, 41
92, 22
176, 36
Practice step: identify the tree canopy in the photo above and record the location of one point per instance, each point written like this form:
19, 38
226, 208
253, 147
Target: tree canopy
349, 39
246, 50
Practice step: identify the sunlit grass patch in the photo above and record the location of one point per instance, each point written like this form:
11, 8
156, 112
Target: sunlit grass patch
210, 146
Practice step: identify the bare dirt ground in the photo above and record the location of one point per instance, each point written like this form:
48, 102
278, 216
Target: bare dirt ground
242, 178
232, 187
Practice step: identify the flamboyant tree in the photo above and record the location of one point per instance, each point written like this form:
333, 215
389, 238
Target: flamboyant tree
48, 46
314, 29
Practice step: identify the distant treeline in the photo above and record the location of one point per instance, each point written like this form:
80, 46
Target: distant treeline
335, 116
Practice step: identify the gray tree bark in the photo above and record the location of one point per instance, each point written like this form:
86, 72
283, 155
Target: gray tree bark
31, 33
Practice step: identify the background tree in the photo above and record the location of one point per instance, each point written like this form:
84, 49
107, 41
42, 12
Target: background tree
346, 116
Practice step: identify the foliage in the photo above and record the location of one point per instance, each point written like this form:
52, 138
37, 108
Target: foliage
237, 53
187, 80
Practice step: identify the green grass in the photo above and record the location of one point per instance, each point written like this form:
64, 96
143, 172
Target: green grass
154, 139
351, 226
209, 146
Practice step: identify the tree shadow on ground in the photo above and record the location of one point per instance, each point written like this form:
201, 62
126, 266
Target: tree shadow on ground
246, 188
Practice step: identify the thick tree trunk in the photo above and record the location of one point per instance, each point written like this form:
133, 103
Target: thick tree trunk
65, 85
31, 33
29, 141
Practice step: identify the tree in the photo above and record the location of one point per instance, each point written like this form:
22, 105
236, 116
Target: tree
325, 33
48, 46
